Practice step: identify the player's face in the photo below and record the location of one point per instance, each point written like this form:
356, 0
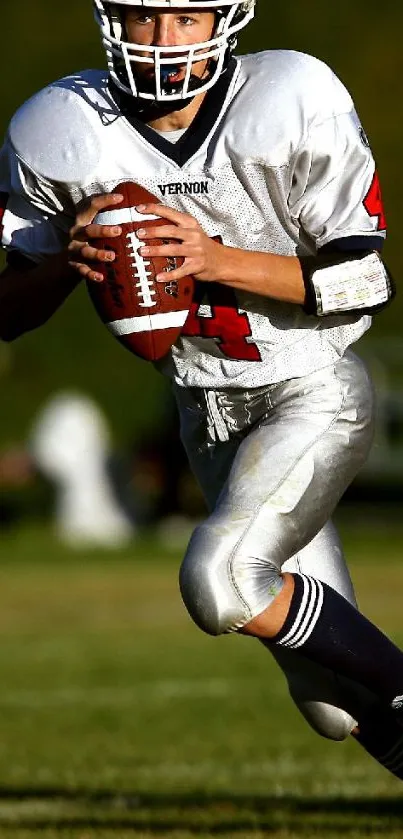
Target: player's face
179, 27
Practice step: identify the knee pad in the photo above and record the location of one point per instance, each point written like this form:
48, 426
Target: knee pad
326, 719
222, 588
320, 696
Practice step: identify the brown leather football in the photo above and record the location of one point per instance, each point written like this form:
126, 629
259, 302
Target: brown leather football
145, 316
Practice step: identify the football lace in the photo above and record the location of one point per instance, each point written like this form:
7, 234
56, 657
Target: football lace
145, 284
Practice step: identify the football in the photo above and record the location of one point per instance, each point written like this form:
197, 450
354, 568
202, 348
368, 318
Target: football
144, 315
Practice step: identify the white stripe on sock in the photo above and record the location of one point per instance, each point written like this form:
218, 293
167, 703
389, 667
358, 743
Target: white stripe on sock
301, 610
312, 619
308, 613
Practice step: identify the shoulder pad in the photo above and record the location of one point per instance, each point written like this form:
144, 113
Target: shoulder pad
57, 133
296, 76
281, 96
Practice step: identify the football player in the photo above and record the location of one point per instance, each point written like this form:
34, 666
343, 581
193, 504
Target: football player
270, 194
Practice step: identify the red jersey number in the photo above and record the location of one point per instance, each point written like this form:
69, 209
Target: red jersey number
4, 196
226, 324
373, 202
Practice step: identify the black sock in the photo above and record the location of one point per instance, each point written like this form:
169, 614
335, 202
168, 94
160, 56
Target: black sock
380, 734
326, 628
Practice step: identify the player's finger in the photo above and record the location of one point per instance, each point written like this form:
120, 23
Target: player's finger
182, 219
87, 212
169, 249
97, 254
101, 201
94, 231
88, 252
86, 272
102, 231
176, 274
163, 232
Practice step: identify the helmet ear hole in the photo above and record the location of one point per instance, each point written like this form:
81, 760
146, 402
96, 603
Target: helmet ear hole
116, 23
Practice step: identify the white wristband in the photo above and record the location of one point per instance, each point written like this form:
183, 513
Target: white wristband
351, 285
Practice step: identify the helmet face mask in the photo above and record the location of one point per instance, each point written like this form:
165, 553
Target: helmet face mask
167, 62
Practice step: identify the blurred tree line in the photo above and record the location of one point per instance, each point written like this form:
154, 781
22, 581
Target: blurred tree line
42, 41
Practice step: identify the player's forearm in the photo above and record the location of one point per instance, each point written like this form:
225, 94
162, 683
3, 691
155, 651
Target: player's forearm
29, 297
271, 275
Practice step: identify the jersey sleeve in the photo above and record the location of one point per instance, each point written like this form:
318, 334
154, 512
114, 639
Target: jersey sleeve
335, 195
34, 215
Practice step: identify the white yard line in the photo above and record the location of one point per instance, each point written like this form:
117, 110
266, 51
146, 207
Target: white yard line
139, 692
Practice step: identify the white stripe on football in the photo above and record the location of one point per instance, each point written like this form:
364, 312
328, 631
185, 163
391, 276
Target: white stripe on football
146, 323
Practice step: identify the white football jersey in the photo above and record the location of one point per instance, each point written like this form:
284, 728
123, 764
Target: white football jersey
275, 161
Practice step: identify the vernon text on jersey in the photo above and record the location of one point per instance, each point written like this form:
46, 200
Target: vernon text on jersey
184, 188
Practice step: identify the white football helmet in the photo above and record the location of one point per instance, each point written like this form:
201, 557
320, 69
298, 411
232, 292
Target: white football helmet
231, 16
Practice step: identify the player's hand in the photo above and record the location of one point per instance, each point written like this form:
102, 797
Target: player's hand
83, 256
203, 256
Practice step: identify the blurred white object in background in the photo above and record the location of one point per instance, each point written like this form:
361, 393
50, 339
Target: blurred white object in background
70, 443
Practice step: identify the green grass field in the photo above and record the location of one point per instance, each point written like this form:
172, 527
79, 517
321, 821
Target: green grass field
118, 718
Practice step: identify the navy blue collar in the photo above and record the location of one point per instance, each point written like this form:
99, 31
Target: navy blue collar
198, 130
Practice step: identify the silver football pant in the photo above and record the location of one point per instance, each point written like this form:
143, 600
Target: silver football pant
273, 462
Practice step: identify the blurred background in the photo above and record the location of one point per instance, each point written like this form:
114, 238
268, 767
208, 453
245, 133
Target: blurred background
118, 717
74, 354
